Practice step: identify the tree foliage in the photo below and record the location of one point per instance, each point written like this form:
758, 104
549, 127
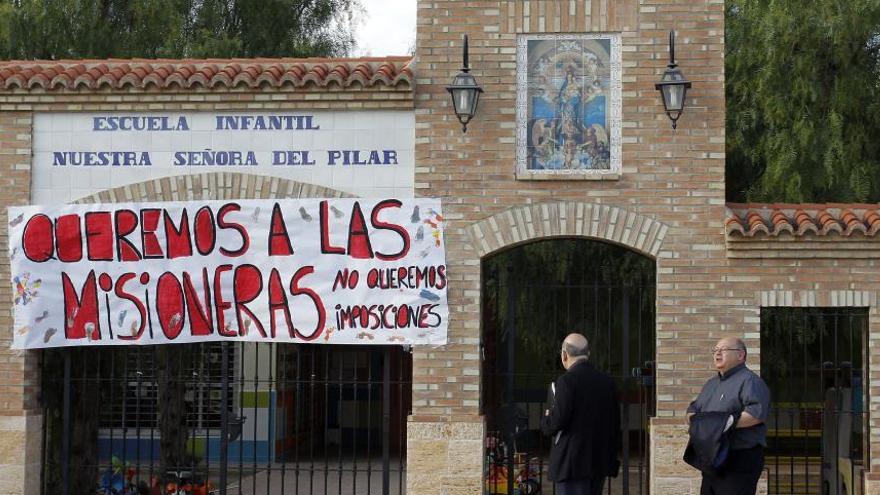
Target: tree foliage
537, 293
59, 29
802, 88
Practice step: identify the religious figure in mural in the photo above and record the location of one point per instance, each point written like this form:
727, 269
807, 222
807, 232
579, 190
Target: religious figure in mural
569, 131
567, 104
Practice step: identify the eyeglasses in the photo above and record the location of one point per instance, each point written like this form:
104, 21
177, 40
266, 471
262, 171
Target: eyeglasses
726, 349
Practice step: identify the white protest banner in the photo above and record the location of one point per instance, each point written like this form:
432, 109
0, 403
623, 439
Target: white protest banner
335, 271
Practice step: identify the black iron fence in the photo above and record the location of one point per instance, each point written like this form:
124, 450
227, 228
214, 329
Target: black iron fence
225, 418
533, 296
813, 360
619, 322
817, 448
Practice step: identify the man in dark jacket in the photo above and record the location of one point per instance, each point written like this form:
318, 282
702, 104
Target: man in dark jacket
583, 424
742, 395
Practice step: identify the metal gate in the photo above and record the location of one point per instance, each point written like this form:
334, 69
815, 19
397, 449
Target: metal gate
603, 291
813, 360
225, 418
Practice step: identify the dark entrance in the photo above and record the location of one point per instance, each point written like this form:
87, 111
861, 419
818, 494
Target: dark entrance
535, 294
226, 418
813, 360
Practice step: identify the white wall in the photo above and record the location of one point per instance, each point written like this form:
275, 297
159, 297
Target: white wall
76, 134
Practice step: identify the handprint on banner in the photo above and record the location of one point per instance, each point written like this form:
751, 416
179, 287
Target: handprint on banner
121, 318
433, 220
426, 294
43, 316
17, 220
25, 289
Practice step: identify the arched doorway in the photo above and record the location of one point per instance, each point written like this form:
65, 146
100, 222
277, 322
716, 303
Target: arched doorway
533, 295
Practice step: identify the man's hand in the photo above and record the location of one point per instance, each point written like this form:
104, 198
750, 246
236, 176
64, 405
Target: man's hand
547, 412
746, 420
690, 415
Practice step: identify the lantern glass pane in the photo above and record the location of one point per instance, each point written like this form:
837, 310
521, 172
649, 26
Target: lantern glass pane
673, 96
462, 102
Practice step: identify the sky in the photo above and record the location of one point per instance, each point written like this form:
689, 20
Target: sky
388, 27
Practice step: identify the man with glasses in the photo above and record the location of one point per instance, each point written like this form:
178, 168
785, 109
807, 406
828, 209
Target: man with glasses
583, 423
737, 390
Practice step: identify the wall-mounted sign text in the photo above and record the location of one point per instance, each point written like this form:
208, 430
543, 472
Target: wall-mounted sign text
366, 153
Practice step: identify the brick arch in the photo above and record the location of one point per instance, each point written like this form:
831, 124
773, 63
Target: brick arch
211, 186
613, 224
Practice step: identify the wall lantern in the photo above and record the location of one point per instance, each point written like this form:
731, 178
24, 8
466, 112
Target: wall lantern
465, 92
673, 86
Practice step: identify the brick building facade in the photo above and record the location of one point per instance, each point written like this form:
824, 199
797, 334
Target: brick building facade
718, 265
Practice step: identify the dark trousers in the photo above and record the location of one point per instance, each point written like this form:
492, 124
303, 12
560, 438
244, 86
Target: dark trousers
738, 476
583, 486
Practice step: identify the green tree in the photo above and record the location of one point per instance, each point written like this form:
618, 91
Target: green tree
57, 29
802, 88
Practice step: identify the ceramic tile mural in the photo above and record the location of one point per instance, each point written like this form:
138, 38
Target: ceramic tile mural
567, 89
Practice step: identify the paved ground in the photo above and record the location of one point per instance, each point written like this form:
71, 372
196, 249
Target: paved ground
336, 479
334, 482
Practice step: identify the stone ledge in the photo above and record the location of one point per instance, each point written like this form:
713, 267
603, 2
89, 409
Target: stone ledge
571, 175
14, 423
417, 430
675, 486
788, 247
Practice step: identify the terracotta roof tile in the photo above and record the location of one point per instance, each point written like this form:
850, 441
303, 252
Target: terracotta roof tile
771, 220
211, 74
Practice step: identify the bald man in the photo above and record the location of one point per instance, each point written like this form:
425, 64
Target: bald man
737, 390
583, 423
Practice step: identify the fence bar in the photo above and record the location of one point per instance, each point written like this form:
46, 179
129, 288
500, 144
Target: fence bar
386, 421
224, 416
65, 438
627, 378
